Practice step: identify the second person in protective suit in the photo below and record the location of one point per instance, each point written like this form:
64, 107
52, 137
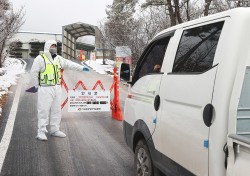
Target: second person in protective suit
46, 74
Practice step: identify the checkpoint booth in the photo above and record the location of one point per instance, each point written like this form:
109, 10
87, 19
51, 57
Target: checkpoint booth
71, 32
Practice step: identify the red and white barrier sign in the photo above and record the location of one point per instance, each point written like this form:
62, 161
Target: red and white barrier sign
88, 100
91, 104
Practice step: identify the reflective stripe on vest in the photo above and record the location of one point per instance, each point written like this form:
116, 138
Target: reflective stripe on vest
52, 73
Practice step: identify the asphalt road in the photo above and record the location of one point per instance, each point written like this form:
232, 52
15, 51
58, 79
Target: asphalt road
94, 144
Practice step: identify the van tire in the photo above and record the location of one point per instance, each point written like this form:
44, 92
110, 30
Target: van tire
142, 159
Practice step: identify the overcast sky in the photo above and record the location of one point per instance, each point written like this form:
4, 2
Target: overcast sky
51, 15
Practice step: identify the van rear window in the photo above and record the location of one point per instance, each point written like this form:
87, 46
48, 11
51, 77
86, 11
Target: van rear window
197, 48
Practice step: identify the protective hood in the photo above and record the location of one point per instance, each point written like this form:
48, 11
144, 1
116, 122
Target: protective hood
47, 45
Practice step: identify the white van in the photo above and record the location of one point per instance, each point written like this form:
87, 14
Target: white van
188, 107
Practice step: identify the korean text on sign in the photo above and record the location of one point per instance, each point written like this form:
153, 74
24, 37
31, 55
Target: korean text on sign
88, 100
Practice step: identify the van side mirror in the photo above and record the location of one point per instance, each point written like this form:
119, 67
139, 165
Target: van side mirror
125, 72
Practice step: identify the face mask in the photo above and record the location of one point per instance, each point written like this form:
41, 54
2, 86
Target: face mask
53, 51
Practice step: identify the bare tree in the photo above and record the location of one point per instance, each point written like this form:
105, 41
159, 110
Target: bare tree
136, 29
10, 22
230, 4
206, 8
186, 10
172, 6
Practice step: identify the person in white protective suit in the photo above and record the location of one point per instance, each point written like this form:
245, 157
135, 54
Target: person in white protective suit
46, 75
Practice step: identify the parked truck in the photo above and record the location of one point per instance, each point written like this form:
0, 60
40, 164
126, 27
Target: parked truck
188, 107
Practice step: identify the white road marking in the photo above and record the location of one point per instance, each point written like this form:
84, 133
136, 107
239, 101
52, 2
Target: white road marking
4, 144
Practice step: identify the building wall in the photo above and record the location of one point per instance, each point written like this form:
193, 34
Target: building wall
26, 37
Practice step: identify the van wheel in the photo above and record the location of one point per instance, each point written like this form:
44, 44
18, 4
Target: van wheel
142, 159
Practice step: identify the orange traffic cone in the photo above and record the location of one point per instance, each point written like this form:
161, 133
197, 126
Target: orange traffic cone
80, 56
116, 109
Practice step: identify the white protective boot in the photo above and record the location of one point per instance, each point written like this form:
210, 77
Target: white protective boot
58, 134
41, 136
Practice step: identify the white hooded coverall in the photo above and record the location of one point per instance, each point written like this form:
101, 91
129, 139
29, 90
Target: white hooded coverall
49, 97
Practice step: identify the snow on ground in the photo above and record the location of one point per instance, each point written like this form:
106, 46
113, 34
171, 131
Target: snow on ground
98, 66
9, 74
13, 67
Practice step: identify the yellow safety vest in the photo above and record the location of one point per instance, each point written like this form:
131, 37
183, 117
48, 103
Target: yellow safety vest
52, 74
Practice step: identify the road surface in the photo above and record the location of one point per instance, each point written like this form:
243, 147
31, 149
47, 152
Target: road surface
94, 144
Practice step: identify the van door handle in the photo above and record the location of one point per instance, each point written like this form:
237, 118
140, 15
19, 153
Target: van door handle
157, 102
208, 114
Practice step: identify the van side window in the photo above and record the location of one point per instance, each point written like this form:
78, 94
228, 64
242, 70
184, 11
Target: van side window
243, 111
197, 48
152, 62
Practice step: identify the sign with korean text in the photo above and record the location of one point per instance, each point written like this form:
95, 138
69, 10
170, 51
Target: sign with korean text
88, 100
